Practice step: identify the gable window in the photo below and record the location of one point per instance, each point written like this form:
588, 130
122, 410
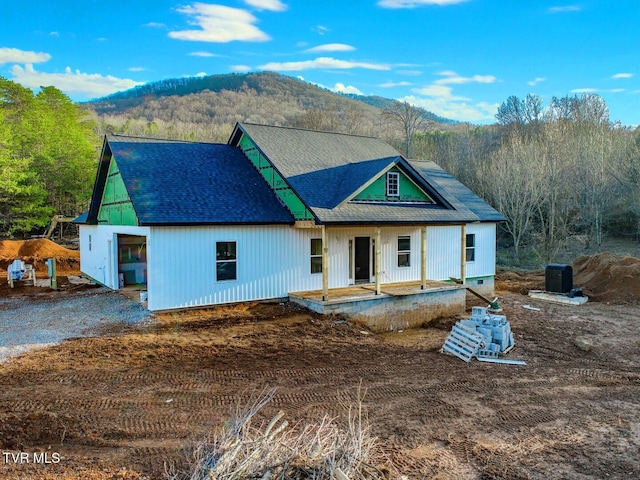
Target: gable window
393, 184
471, 247
404, 251
226, 261
316, 255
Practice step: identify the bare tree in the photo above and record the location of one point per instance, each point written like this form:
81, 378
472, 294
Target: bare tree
410, 119
516, 112
514, 182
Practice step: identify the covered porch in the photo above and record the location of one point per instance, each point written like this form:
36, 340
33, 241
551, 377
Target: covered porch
387, 307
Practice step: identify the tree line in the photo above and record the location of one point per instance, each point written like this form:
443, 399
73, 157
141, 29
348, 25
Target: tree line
559, 173
48, 154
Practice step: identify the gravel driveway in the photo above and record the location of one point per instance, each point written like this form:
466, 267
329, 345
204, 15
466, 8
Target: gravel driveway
38, 321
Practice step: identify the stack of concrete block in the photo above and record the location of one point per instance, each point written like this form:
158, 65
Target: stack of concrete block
491, 335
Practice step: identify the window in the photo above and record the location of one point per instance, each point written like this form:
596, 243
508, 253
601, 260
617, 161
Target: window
316, 255
471, 247
226, 266
89, 242
393, 184
404, 251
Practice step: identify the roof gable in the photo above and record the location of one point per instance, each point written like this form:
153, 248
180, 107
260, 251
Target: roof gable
338, 178
171, 182
116, 207
406, 191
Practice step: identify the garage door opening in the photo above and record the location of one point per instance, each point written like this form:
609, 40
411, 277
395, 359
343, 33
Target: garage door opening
132, 261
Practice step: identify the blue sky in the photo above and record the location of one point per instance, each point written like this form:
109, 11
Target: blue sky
457, 58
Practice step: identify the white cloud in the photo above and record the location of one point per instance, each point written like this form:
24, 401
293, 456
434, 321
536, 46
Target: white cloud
394, 84
440, 91
331, 47
341, 88
13, 55
154, 25
564, 9
536, 81
273, 5
240, 68
75, 84
461, 111
204, 54
321, 62
618, 76
201, 74
219, 24
416, 3
454, 78
137, 69
320, 29
54, 34
584, 90
438, 97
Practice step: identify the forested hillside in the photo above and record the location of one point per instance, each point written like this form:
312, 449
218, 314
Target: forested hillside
207, 108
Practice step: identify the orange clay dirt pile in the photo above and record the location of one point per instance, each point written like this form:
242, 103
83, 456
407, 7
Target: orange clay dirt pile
36, 252
608, 278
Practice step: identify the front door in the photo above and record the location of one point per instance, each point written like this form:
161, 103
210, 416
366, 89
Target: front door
362, 259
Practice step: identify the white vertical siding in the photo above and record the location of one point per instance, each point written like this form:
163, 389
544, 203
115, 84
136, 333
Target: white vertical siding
94, 261
485, 258
272, 260
443, 252
389, 270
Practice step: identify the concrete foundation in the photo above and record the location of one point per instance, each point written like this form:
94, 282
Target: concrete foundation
557, 298
484, 286
392, 310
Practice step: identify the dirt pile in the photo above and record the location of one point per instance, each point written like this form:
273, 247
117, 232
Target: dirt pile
608, 278
36, 252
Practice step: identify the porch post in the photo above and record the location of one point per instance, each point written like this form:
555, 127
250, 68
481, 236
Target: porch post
325, 264
463, 254
423, 258
378, 255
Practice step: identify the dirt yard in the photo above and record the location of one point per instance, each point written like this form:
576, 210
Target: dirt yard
120, 405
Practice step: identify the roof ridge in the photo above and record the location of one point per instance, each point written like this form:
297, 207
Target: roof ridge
158, 139
285, 127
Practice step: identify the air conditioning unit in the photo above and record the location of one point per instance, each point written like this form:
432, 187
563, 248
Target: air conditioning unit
558, 278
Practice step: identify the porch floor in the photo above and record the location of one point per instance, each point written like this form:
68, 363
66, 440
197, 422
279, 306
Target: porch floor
357, 293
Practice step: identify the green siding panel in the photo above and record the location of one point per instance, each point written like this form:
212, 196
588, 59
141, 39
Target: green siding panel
377, 191
288, 197
116, 207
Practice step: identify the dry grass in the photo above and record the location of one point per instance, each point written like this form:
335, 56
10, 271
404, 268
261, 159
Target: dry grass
327, 449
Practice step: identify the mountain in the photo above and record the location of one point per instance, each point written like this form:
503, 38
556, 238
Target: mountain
206, 108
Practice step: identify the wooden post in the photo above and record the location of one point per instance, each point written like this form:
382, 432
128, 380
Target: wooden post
423, 258
463, 254
378, 255
53, 277
325, 264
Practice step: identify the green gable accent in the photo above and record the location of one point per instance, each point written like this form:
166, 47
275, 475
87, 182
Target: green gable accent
116, 207
280, 187
408, 191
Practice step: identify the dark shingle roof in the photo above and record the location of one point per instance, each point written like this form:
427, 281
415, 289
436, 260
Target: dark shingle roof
325, 169
460, 197
171, 182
